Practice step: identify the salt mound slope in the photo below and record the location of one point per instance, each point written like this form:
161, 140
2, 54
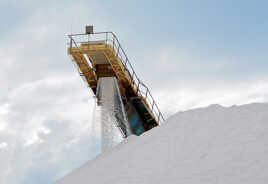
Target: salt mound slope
206, 145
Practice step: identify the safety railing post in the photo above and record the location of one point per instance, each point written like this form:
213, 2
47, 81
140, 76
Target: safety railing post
126, 63
118, 50
153, 107
113, 42
88, 40
106, 39
132, 76
138, 85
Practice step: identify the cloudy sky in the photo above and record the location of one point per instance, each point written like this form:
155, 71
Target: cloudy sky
190, 54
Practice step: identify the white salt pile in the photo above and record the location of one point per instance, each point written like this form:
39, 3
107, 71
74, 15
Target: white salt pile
202, 146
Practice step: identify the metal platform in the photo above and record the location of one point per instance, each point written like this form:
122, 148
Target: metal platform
101, 55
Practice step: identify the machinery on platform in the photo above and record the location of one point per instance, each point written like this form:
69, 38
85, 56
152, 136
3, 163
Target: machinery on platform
98, 55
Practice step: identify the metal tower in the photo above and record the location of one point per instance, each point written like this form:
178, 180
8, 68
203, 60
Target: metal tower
99, 55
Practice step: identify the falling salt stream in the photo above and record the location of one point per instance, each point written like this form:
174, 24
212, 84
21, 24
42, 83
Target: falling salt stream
109, 117
95, 126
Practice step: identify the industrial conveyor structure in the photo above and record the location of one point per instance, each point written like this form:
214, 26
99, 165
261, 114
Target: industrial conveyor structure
99, 54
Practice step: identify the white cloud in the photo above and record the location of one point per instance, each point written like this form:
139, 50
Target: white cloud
2, 125
3, 145
3, 112
45, 106
173, 100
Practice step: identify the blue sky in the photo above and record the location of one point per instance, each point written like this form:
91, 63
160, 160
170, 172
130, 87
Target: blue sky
190, 54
